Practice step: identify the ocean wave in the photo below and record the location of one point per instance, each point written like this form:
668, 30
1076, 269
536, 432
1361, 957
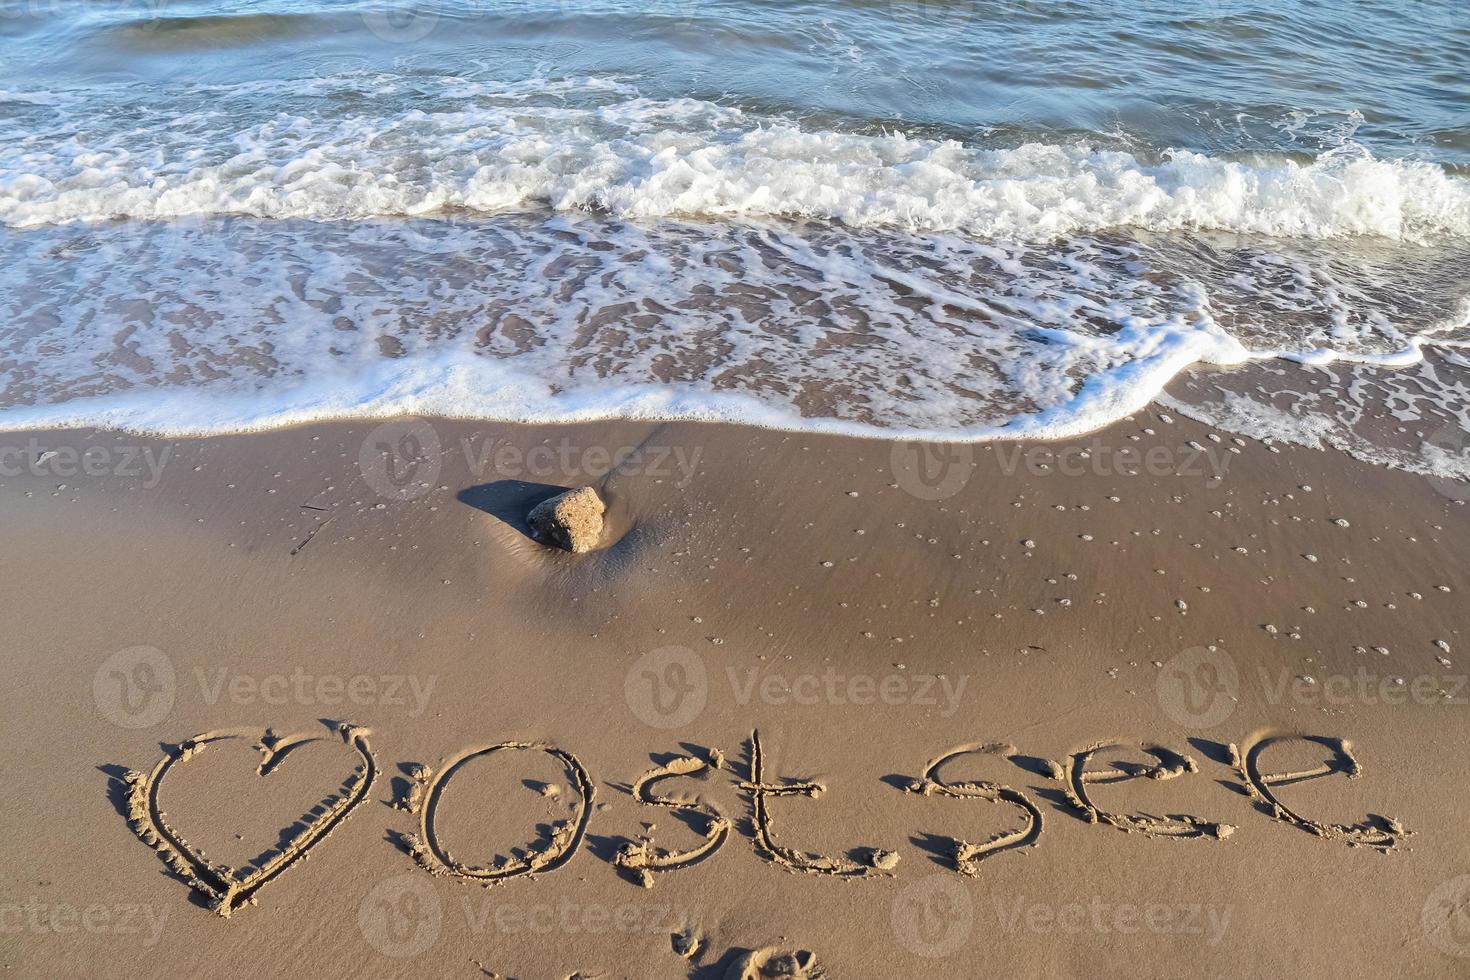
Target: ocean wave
585, 146
232, 324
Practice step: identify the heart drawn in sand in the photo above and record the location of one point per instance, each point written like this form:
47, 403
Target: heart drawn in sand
223, 885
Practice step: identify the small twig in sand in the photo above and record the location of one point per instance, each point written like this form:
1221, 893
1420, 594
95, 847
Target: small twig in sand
307, 540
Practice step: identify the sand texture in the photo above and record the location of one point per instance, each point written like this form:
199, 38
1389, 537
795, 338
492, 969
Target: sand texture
812, 706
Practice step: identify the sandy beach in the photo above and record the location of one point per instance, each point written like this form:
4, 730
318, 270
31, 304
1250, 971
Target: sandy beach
735, 489
1198, 703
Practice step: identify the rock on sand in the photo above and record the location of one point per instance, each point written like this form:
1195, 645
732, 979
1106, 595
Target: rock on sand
571, 520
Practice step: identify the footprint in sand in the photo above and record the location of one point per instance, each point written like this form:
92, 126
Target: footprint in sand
772, 962
224, 887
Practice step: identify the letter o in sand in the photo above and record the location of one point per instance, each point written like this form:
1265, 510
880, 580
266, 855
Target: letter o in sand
566, 837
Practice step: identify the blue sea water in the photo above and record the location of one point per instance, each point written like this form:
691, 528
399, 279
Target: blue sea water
899, 217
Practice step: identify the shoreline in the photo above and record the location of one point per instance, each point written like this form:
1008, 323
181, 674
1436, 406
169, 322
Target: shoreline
1260, 400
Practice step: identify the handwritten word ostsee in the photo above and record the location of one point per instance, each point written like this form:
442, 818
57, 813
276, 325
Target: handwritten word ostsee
1099, 763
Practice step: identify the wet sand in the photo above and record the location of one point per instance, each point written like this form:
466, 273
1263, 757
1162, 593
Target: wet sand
866, 607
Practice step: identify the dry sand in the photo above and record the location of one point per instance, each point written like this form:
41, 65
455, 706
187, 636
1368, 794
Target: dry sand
552, 768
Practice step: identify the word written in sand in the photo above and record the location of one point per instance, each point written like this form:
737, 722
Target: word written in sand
227, 888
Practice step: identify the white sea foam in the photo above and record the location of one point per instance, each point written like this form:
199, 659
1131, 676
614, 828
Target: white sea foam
595, 145
535, 318
1415, 418
576, 251
456, 385
220, 325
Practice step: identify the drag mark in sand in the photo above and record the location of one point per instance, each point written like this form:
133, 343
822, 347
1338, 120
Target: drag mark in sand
566, 835
1075, 778
643, 858
313, 533
1382, 833
789, 858
967, 856
223, 885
